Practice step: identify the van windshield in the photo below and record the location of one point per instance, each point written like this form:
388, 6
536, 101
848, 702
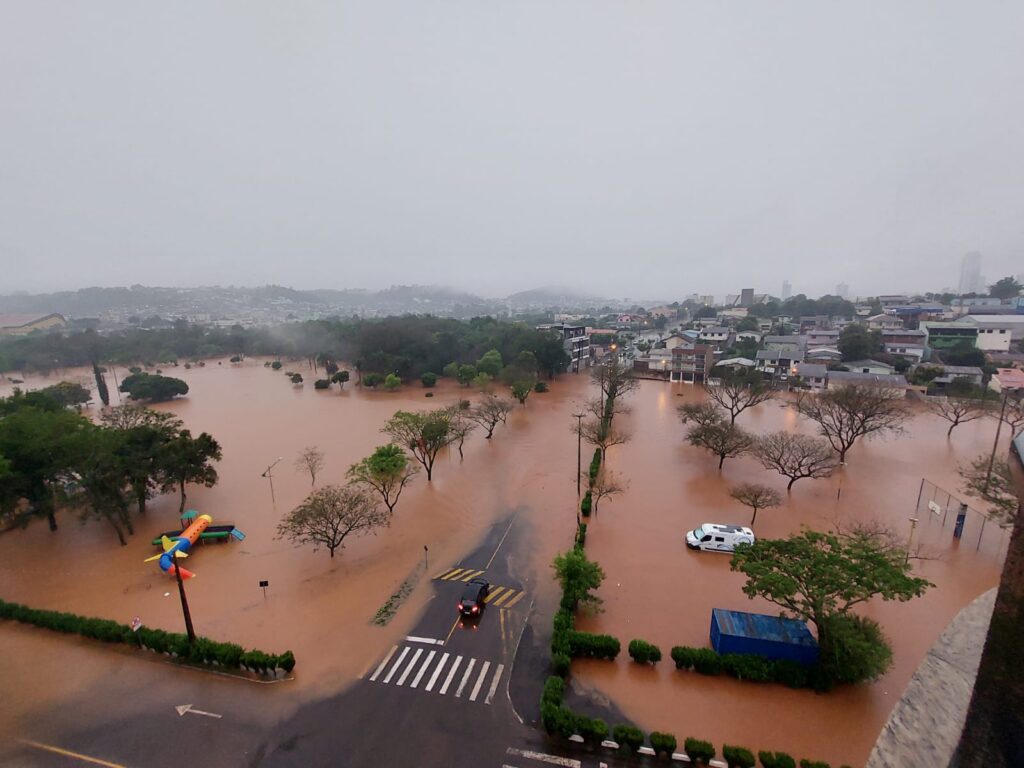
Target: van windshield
698, 532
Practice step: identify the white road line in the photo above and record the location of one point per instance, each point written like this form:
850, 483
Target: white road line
451, 674
391, 672
567, 762
408, 669
465, 679
384, 663
479, 681
427, 640
423, 670
437, 672
494, 683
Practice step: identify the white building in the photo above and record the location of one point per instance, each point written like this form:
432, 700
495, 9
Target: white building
995, 332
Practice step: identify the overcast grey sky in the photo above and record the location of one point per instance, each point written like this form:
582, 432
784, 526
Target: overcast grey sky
626, 148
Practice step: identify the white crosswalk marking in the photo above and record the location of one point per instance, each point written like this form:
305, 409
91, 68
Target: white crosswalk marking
408, 669
384, 663
451, 674
494, 683
567, 762
479, 681
465, 679
391, 672
437, 672
423, 670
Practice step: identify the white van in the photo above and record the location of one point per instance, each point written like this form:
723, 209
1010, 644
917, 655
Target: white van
712, 537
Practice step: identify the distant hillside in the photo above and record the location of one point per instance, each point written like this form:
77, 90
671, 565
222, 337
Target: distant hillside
551, 296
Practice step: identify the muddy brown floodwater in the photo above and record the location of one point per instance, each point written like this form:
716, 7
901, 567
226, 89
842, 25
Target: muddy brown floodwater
655, 589
659, 591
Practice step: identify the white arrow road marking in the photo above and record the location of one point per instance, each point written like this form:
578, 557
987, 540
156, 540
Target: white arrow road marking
553, 759
186, 708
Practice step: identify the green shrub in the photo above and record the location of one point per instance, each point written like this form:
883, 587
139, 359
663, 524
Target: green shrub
560, 663
643, 652
738, 757
428, 379
554, 717
322, 384
663, 742
554, 690
234, 359
776, 760
683, 656
581, 535
286, 661
586, 504
593, 730
703, 751
540, 386
706, 661
276, 365
630, 738
805, 763
791, 673
593, 646
748, 667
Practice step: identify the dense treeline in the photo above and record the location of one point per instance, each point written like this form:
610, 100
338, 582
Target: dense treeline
409, 345
52, 457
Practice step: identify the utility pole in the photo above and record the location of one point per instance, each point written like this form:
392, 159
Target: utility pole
184, 605
267, 474
579, 454
995, 444
913, 524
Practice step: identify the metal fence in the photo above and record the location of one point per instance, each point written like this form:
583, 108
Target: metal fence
938, 508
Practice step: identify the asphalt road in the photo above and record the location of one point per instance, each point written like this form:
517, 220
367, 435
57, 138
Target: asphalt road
453, 693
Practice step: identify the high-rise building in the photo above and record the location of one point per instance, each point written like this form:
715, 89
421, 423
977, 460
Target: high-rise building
746, 297
971, 280
787, 290
843, 291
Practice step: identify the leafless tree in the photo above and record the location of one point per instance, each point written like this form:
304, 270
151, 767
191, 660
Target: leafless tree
311, 459
596, 409
600, 435
959, 410
796, 456
736, 392
724, 440
755, 496
330, 515
701, 414
614, 378
848, 413
606, 486
489, 413
461, 426
1013, 415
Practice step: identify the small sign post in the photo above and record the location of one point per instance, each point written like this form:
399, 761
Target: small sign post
426, 562
264, 583
136, 624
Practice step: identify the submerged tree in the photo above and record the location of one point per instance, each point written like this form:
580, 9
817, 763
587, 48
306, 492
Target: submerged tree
725, 440
145, 433
854, 411
600, 434
330, 515
605, 486
387, 471
489, 413
736, 392
960, 409
755, 496
796, 456
310, 459
578, 577
423, 434
188, 460
990, 479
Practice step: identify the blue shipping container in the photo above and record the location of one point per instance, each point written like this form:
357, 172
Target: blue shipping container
769, 636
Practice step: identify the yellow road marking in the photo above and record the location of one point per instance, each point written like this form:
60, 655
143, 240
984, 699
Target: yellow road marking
69, 753
452, 574
492, 594
510, 524
506, 596
452, 630
514, 600
445, 573
469, 575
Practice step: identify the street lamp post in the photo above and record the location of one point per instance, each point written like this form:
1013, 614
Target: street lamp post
269, 475
579, 455
184, 604
913, 524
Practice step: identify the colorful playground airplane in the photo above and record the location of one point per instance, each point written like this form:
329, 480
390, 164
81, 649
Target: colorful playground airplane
178, 545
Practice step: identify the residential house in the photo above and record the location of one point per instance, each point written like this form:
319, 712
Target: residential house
812, 375
22, 325
693, 364
947, 335
793, 344
1007, 380
823, 355
657, 362
814, 322
893, 300
838, 379
669, 313
870, 366
907, 344
777, 362
675, 340
720, 336
735, 364
951, 372
734, 313
962, 306
576, 342
884, 322
749, 336
821, 338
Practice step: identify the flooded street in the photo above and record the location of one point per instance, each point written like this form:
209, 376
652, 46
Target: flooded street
655, 589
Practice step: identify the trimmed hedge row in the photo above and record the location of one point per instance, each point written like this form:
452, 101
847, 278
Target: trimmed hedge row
595, 466
738, 757
663, 742
203, 651
629, 738
587, 504
757, 669
591, 646
697, 749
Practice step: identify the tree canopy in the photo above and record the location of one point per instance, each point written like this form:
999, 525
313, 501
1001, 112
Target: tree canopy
153, 387
330, 515
423, 434
386, 471
848, 413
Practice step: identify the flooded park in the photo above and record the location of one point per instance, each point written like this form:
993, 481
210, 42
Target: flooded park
655, 589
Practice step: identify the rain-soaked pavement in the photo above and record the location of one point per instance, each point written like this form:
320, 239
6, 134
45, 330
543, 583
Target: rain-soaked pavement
120, 707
